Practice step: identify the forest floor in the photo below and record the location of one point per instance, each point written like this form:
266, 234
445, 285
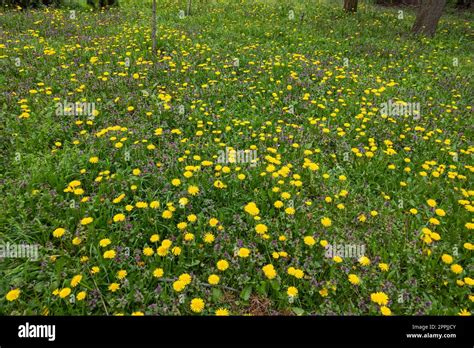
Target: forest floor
262, 162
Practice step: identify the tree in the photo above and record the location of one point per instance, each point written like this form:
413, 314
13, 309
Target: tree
188, 8
428, 16
102, 3
350, 5
24, 4
463, 3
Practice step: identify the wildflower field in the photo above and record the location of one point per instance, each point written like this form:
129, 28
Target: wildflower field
272, 158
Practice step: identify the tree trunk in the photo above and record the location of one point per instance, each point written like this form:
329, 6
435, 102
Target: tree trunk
463, 4
350, 5
188, 9
428, 16
153, 28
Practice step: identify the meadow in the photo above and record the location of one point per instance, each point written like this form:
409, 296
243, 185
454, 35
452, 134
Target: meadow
262, 162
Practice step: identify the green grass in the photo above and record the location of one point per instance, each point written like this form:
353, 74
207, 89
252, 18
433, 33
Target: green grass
347, 65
